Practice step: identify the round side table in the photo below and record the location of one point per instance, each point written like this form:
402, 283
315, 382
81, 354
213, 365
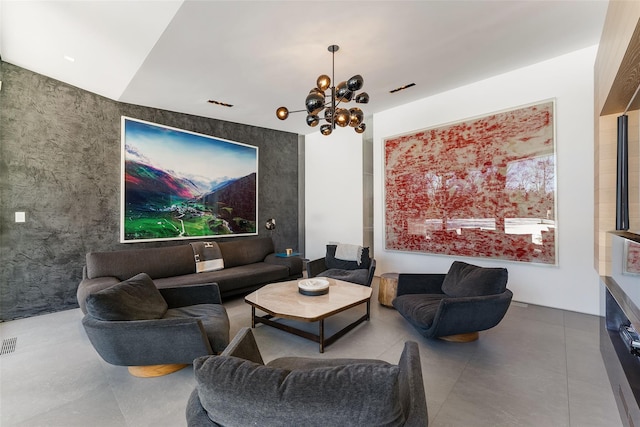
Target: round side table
388, 288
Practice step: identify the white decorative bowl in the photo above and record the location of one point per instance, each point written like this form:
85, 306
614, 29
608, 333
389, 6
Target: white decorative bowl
313, 287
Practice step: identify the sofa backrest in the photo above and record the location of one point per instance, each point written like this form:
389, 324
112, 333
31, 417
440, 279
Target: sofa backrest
172, 261
468, 280
156, 262
238, 392
246, 251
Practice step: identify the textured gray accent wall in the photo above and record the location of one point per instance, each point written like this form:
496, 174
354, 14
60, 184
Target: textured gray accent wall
60, 163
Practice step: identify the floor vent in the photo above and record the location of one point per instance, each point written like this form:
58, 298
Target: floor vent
8, 346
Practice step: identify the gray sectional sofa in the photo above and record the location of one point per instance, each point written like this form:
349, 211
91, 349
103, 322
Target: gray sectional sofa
248, 265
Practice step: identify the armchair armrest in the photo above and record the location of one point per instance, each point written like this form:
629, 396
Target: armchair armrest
294, 263
316, 267
147, 342
182, 296
372, 271
420, 284
412, 395
479, 313
244, 346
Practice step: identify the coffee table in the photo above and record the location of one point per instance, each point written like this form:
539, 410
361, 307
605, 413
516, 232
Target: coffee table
282, 300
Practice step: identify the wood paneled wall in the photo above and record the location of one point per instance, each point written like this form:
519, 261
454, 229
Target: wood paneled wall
617, 75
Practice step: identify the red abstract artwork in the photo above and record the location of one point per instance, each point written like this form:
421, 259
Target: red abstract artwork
632, 265
483, 187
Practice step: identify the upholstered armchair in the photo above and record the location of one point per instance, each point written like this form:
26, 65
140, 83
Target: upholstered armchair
237, 388
155, 331
354, 266
454, 306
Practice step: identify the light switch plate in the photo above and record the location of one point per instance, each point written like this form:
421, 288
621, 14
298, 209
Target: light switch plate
20, 217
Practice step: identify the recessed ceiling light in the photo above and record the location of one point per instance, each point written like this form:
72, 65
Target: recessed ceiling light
69, 58
402, 88
211, 101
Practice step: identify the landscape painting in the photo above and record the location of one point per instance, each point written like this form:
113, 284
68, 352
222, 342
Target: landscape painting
184, 185
483, 187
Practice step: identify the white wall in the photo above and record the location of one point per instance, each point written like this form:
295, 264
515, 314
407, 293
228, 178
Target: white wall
333, 190
573, 284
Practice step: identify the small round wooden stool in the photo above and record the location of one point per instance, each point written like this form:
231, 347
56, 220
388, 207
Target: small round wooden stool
388, 288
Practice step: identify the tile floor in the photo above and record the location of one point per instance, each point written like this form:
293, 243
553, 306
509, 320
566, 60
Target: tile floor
538, 367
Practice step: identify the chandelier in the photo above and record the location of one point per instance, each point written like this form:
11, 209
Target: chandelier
318, 100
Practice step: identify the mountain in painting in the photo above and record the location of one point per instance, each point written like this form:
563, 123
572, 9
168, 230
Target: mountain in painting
155, 188
235, 198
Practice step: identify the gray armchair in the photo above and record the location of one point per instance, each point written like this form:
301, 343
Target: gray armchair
360, 272
135, 324
456, 305
237, 388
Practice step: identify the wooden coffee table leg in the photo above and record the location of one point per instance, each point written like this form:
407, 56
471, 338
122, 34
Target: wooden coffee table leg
321, 336
253, 317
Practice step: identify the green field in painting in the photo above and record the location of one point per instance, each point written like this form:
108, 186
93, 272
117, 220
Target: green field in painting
163, 225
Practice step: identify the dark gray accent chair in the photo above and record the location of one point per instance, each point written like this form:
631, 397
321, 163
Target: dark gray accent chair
466, 300
238, 389
348, 271
135, 324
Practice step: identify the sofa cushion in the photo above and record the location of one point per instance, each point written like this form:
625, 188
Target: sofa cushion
214, 318
418, 309
237, 392
467, 280
207, 256
359, 276
134, 299
230, 279
332, 262
242, 252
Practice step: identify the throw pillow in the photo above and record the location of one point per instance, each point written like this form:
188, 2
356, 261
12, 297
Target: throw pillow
237, 392
332, 262
207, 256
134, 299
467, 280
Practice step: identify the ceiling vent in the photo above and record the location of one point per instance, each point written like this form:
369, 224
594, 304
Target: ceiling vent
224, 104
402, 88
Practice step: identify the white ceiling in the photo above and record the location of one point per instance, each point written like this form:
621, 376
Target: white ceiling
259, 55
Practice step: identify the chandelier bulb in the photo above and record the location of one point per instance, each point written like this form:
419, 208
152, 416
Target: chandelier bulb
313, 120
328, 114
314, 102
282, 113
357, 117
323, 82
362, 98
325, 130
342, 117
355, 83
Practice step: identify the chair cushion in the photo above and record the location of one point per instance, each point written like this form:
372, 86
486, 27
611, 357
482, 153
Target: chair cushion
214, 320
237, 392
359, 276
136, 298
467, 280
419, 309
332, 262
